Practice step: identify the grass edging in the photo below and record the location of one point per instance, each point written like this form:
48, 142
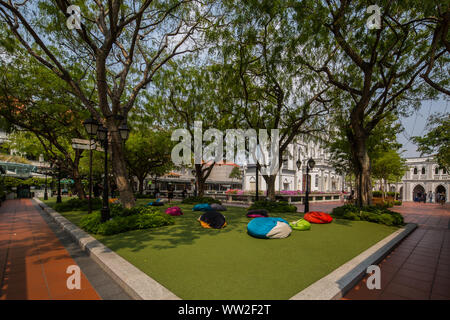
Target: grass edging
336, 284
135, 282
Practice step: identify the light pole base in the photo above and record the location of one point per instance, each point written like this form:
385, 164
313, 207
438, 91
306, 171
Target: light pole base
58, 199
45, 196
105, 214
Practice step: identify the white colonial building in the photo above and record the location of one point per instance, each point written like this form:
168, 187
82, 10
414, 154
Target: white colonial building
423, 176
323, 176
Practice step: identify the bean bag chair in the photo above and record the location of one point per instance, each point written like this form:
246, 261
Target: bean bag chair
269, 228
301, 225
257, 213
318, 217
157, 203
174, 211
202, 207
218, 207
212, 220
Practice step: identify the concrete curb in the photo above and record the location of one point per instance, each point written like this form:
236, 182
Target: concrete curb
336, 284
135, 282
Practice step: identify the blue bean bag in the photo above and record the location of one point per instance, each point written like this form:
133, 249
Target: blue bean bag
269, 228
157, 203
202, 207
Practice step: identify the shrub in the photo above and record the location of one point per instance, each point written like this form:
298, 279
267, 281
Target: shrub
130, 219
377, 214
397, 203
196, 200
142, 196
377, 194
273, 206
77, 204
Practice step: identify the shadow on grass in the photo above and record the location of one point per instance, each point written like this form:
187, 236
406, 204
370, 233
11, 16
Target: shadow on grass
186, 231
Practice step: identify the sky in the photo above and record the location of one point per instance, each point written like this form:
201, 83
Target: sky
415, 124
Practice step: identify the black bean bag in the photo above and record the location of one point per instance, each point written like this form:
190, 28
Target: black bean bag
218, 207
212, 219
257, 213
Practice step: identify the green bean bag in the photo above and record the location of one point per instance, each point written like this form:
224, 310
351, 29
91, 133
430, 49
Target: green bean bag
301, 225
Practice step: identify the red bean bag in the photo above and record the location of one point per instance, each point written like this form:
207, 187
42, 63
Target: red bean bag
174, 211
318, 217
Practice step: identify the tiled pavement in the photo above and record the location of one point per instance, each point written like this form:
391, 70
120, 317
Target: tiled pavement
419, 268
35, 254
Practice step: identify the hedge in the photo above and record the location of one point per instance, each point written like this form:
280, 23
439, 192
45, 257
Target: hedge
77, 204
124, 220
196, 200
273, 206
375, 214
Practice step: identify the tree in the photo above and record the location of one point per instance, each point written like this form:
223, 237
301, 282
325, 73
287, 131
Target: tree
265, 88
235, 173
46, 111
376, 71
437, 140
382, 141
187, 93
111, 58
148, 153
388, 167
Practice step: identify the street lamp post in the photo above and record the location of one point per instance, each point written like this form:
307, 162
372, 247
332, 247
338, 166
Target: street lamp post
45, 172
309, 166
58, 197
91, 127
45, 190
257, 182
102, 134
194, 181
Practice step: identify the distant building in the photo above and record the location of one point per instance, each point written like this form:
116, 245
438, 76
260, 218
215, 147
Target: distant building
323, 176
423, 176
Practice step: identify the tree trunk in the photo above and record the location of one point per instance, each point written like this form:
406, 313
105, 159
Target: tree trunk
78, 186
364, 183
270, 181
141, 185
119, 167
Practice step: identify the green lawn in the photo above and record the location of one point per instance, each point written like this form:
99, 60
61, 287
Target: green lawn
197, 263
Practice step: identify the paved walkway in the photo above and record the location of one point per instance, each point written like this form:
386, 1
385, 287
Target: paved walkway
419, 268
34, 257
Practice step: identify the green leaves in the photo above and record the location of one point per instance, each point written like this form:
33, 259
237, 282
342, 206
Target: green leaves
437, 139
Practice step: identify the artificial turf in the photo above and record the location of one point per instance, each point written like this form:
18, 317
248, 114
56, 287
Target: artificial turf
198, 263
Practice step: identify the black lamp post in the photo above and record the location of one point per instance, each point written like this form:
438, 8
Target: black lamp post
102, 134
309, 166
194, 182
91, 127
45, 172
58, 197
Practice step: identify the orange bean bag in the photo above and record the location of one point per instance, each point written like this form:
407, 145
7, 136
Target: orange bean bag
318, 217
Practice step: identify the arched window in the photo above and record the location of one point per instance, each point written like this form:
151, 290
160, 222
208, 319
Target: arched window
444, 171
415, 170
423, 170
436, 170
317, 181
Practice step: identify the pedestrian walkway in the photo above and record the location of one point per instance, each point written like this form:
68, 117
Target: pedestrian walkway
419, 268
33, 260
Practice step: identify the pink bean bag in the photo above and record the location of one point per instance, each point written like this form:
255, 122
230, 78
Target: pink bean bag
174, 211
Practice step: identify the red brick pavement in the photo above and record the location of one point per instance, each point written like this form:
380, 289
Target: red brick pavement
419, 268
33, 262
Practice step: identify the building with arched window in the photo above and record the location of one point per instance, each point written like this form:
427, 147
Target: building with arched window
423, 176
323, 177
